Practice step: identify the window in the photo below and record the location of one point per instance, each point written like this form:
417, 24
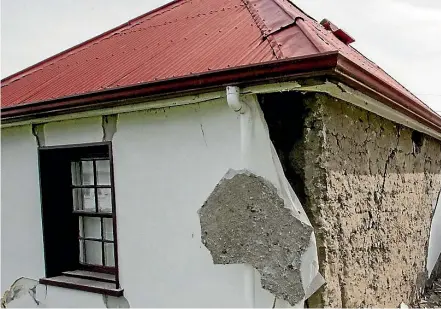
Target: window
92, 203
79, 220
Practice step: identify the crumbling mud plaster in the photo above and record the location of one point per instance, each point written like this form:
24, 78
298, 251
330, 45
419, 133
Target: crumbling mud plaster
368, 186
244, 221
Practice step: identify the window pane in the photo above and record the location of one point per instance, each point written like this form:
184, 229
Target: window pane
108, 228
92, 227
87, 172
109, 254
83, 199
103, 172
93, 252
81, 227
81, 251
77, 199
76, 173
104, 200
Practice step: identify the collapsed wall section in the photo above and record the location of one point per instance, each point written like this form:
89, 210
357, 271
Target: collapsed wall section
368, 186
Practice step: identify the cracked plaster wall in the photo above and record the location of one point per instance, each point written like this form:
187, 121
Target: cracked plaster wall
368, 190
167, 161
22, 250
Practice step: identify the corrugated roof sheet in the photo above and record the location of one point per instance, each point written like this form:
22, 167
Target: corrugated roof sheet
179, 39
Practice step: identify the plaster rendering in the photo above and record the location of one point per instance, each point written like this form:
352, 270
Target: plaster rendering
434, 253
244, 221
205, 136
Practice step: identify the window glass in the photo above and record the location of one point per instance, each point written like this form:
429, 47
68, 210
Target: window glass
93, 252
103, 172
104, 200
108, 228
87, 175
83, 199
76, 173
92, 227
92, 191
109, 254
82, 251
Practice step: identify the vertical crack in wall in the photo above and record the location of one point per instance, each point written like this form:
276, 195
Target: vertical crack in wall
38, 132
109, 125
244, 221
203, 135
388, 160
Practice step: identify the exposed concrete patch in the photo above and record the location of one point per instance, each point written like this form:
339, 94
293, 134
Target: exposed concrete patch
38, 132
19, 288
244, 221
109, 124
115, 302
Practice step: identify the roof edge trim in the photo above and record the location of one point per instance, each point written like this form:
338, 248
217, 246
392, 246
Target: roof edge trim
304, 66
356, 76
331, 64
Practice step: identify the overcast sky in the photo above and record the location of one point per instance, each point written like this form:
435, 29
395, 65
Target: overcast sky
402, 36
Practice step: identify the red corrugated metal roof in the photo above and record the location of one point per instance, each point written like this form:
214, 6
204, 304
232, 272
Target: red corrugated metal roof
179, 39
182, 38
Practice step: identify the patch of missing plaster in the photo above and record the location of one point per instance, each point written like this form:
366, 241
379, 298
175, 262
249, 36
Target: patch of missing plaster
417, 142
19, 288
116, 302
109, 124
38, 132
244, 221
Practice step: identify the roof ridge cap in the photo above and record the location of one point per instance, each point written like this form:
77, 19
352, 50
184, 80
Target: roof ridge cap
29, 70
264, 30
318, 43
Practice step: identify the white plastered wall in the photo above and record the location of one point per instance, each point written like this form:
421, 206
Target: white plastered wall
21, 229
166, 162
435, 237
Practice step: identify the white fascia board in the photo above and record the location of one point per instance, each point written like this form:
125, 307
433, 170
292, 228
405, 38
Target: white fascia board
339, 91
139, 106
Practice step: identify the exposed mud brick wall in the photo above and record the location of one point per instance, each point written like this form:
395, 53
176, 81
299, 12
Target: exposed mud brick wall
368, 185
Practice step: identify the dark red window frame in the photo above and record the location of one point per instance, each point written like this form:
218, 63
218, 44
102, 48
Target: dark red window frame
61, 235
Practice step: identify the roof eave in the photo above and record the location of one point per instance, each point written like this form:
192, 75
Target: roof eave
304, 66
355, 76
330, 63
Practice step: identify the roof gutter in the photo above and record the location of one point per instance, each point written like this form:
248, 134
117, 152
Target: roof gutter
370, 84
325, 64
291, 68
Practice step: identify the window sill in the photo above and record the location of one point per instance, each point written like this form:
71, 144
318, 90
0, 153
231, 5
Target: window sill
83, 284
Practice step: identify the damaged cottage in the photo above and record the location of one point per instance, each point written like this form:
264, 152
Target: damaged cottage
310, 176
